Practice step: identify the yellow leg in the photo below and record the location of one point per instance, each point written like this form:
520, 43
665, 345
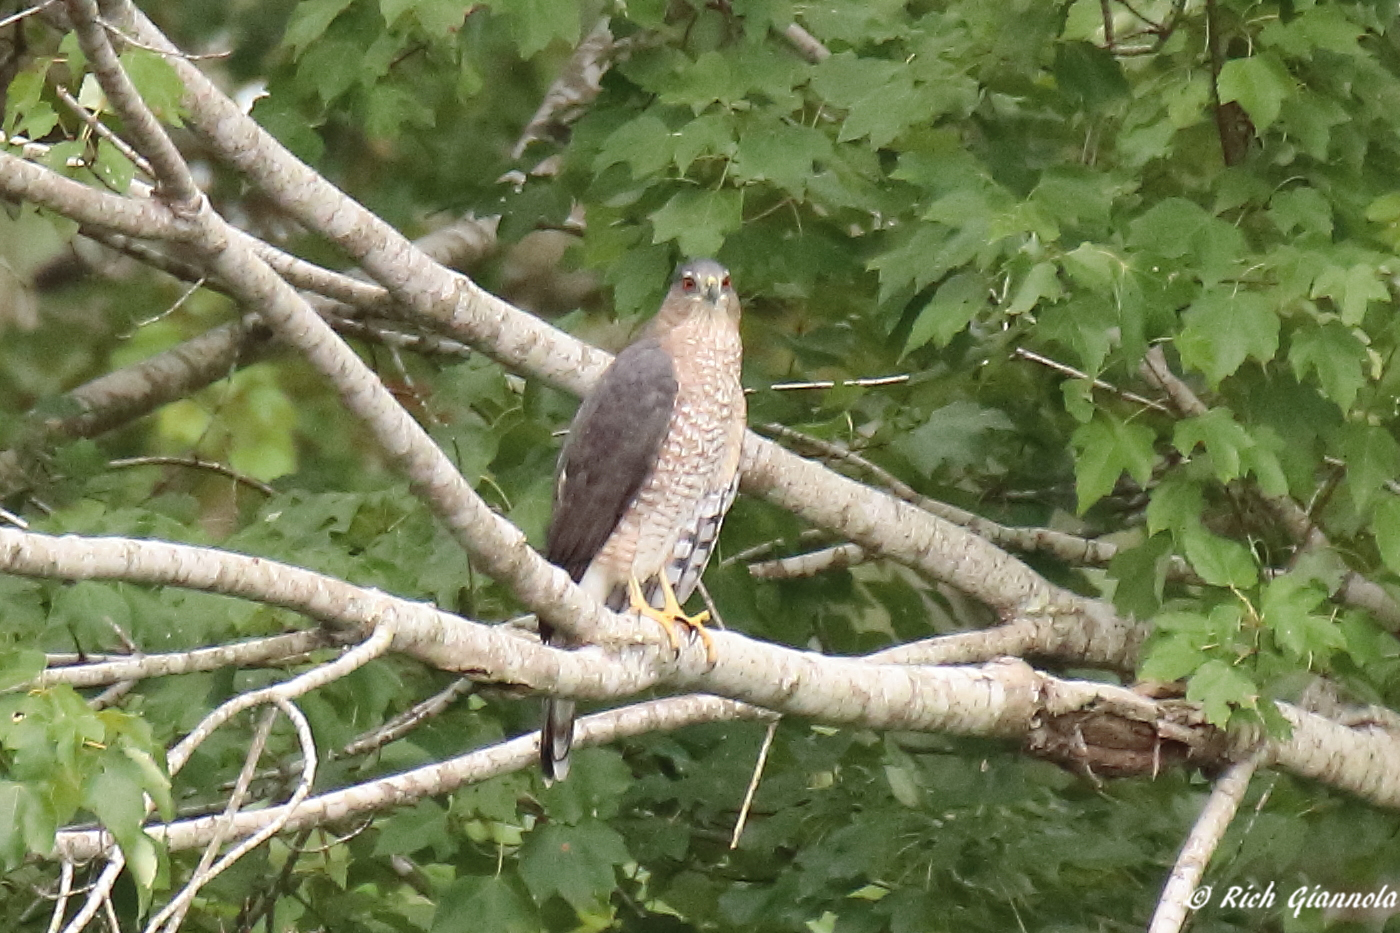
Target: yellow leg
671, 614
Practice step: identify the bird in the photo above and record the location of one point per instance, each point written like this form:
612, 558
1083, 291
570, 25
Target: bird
648, 471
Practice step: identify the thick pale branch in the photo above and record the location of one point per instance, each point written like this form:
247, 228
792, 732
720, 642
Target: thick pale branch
492, 653
139, 667
25, 181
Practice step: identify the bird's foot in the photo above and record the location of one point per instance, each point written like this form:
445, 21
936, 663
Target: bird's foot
671, 615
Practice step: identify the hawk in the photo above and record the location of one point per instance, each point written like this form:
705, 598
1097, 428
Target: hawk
650, 467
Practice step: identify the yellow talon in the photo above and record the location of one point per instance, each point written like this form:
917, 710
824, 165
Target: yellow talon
671, 614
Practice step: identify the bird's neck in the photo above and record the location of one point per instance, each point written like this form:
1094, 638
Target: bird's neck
704, 348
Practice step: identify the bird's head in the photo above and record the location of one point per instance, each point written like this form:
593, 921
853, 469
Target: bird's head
701, 287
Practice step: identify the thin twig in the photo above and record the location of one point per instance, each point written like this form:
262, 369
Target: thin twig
231, 808
753, 784
864, 382
175, 910
1063, 369
103, 130
25, 14
195, 463
405, 722
127, 39
99, 893
1067, 547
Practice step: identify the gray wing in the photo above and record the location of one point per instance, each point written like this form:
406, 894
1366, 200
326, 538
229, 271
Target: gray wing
612, 448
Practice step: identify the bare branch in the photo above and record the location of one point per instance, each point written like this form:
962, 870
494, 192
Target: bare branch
439, 778
577, 86
838, 557
261, 651
806, 44
1205, 836
175, 910
25, 13
24, 181
1070, 371
197, 464
175, 183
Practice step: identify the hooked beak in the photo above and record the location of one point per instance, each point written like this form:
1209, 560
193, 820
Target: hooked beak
711, 288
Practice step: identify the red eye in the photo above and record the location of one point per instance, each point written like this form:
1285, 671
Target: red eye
725, 283
688, 283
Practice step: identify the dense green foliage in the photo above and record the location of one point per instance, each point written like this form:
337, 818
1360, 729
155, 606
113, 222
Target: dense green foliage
956, 181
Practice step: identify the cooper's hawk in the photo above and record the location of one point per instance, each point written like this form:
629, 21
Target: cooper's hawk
649, 469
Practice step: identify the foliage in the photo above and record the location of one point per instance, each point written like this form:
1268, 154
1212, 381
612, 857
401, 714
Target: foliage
957, 180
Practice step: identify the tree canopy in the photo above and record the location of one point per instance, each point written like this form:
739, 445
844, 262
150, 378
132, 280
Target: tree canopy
1064, 587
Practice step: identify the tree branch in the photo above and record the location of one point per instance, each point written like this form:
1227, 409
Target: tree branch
1200, 845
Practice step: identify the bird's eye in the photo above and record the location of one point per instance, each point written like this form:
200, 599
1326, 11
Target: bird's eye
688, 283
725, 283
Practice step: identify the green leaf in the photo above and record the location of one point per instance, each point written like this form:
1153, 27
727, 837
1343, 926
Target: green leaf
1259, 84
1175, 650
1042, 282
116, 795
14, 805
699, 219
644, 145
537, 23
1320, 27
1088, 73
1219, 561
1372, 458
20, 665
1140, 574
1221, 436
1351, 289
1305, 210
1169, 227
332, 67
575, 862
1220, 688
1222, 331
309, 21
413, 829
157, 81
392, 107
1107, 448
949, 311
708, 135
154, 781
1385, 525
594, 789
782, 154
954, 434
475, 903
1331, 352
1287, 608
